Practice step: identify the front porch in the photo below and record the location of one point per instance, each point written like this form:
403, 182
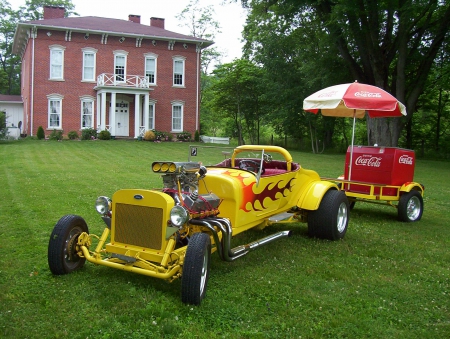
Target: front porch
117, 99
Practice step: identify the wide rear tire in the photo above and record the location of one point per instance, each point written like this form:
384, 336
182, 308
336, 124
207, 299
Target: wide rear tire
62, 253
410, 206
196, 269
330, 220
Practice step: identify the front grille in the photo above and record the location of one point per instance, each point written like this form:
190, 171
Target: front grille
138, 225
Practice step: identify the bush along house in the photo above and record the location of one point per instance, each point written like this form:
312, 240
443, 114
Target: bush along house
107, 74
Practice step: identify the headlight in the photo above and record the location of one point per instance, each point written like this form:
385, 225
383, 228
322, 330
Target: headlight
103, 205
179, 216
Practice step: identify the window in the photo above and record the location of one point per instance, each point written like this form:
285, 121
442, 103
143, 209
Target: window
178, 70
120, 63
56, 62
150, 68
87, 112
89, 58
151, 115
54, 111
177, 116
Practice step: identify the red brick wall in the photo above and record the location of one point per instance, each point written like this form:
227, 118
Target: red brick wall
72, 87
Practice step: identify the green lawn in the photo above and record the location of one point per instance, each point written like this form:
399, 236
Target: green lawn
386, 279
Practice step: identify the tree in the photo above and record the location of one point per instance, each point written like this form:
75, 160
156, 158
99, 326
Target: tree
201, 24
392, 45
11, 64
236, 93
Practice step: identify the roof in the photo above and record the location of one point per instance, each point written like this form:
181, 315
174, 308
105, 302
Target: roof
11, 98
97, 25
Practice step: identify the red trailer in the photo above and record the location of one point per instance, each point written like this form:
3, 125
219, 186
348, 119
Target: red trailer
383, 175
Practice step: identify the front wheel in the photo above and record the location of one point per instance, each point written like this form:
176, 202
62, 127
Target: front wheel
330, 220
410, 206
196, 269
63, 256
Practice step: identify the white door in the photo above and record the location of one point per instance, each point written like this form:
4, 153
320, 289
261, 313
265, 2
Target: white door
122, 119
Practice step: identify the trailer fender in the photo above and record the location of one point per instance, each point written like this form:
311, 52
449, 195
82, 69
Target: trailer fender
409, 186
311, 197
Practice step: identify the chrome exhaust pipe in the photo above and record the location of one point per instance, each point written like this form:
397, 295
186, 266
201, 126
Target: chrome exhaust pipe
224, 246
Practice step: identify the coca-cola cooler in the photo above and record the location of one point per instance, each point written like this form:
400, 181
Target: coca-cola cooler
379, 165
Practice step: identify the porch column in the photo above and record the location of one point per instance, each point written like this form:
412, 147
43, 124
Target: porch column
137, 115
112, 115
103, 113
146, 111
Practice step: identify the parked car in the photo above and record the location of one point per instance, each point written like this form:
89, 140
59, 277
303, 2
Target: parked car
170, 233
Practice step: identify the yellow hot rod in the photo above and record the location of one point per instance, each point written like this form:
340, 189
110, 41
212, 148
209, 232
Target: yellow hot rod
170, 233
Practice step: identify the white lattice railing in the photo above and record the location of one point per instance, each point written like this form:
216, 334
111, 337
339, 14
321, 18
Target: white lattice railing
137, 81
141, 131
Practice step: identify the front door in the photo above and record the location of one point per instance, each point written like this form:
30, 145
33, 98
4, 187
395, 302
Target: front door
122, 119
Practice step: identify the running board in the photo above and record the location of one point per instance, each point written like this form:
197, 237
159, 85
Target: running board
280, 217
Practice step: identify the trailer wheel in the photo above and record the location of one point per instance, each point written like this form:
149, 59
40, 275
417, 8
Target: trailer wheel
330, 220
410, 206
62, 253
196, 269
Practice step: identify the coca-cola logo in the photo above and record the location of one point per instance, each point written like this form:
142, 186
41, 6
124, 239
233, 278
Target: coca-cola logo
366, 94
405, 159
327, 94
368, 160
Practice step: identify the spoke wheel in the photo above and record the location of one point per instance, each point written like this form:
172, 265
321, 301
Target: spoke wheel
196, 269
330, 220
63, 255
410, 207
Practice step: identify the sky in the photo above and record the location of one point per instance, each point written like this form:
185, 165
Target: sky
231, 17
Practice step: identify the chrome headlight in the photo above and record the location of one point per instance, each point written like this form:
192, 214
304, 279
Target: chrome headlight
103, 205
179, 216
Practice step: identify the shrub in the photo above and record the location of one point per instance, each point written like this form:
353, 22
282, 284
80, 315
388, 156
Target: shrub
149, 135
72, 135
160, 136
197, 136
56, 135
184, 136
104, 135
40, 133
3, 128
89, 133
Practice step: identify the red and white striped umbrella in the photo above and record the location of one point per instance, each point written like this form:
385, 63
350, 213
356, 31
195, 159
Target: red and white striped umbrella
353, 100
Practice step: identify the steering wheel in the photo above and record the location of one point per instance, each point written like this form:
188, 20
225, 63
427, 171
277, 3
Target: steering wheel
251, 165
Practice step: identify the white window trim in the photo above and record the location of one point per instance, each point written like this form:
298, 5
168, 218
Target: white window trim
183, 60
124, 54
177, 103
83, 99
154, 57
89, 50
152, 103
55, 97
57, 48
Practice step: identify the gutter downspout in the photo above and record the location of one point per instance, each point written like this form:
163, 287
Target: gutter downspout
197, 127
33, 36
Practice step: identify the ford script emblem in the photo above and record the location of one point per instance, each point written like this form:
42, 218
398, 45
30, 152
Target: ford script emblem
138, 197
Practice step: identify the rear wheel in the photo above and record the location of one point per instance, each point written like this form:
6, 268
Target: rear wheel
62, 252
330, 220
410, 206
196, 269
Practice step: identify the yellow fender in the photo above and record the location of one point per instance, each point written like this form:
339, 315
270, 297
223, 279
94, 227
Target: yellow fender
311, 197
409, 186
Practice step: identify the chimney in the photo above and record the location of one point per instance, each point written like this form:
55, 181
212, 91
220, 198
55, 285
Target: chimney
157, 22
134, 18
54, 12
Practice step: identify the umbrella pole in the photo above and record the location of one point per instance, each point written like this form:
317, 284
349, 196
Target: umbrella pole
351, 151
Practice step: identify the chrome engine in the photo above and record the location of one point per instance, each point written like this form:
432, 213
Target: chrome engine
181, 181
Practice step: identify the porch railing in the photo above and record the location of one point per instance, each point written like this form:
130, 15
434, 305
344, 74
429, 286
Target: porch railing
114, 80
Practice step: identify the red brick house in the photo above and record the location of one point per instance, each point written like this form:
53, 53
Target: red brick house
107, 74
